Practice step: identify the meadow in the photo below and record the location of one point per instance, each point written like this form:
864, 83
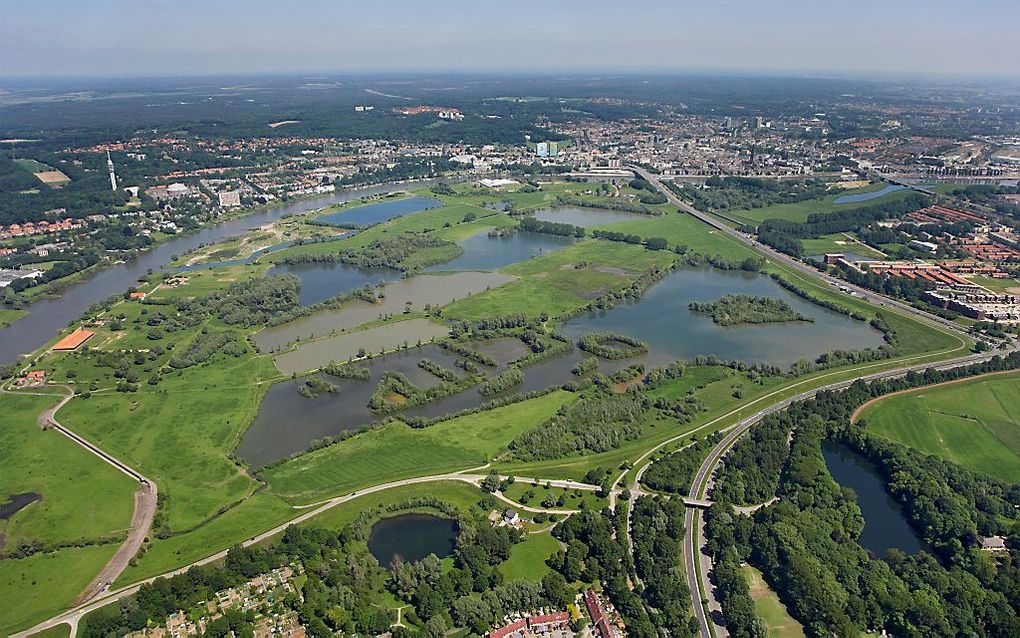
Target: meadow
975, 423
396, 451
768, 608
799, 211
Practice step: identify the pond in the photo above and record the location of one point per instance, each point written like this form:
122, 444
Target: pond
17, 502
587, 217
662, 319
482, 252
322, 280
885, 526
412, 537
864, 197
380, 211
288, 423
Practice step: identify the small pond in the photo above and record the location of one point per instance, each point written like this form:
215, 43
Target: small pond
662, 319
587, 217
864, 197
482, 252
885, 526
412, 537
322, 280
17, 502
380, 211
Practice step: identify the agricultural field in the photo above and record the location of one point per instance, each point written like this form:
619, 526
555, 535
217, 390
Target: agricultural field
975, 423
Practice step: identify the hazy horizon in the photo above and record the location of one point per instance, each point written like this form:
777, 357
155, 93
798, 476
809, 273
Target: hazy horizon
116, 38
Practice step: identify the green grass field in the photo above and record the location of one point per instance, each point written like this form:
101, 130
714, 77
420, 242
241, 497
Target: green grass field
837, 243
572, 499
991, 283
256, 514
396, 451
45, 584
82, 497
975, 423
60, 631
457, 493
181, 432
554, 284
527, 558
10, 315
770, 609
799, 211
681, 228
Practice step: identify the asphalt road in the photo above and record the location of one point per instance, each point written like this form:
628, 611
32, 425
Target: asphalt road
694, 541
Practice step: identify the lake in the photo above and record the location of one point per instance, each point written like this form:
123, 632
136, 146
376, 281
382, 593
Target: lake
662, 319
322, 280
369, 214
288, 423
49, 316
885, 526
412, 537
587, 217
864, 197
482, 252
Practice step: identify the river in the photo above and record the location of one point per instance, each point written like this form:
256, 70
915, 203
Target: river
49, 316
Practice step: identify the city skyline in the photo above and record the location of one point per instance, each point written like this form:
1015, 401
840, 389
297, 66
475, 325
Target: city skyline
116, 38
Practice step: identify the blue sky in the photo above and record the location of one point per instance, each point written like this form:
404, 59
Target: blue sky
172, 37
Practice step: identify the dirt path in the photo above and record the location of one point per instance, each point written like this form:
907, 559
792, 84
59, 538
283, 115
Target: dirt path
866, 404
141, 517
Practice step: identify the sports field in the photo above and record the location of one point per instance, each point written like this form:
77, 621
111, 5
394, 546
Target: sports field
974, 423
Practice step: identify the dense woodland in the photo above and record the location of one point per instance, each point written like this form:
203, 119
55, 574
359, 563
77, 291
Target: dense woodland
807, 545
730, 310
595, 423
735, 193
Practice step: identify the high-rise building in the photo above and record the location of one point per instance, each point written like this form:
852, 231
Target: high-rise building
113, 175
554, 149
542, 149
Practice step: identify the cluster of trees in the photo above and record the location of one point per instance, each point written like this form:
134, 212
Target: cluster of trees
502, 382
533, 225
313, 386
805, 294
346, 371
205, 345
395, 392
734, 193
251, 302
594, 423
468, 353
733, 309
611, 345
394, 252
807, 545
748, 264
785, 235
438, 371
651, 243
673, 472
585, 366
608, 204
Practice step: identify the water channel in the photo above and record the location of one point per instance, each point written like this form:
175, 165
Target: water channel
885, 526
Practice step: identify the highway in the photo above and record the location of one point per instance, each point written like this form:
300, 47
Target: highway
784, 259
694, 541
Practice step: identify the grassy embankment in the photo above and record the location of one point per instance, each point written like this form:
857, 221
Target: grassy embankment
975, 423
